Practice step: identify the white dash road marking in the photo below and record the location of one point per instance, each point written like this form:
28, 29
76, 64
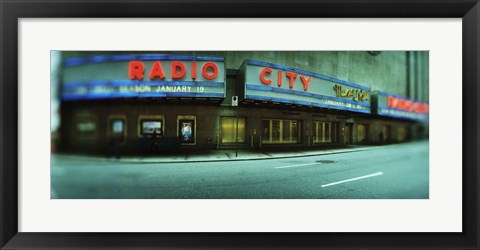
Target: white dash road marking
299, 165
353, 179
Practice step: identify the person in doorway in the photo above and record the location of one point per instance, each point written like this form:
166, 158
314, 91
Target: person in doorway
380, 137
114, 142
154, 142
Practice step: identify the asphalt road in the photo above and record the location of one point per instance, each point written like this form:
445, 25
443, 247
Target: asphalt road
388, 172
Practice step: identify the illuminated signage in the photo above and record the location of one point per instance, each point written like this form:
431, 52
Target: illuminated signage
290, 75
143, 76
407, 105
356, 94
387, 104
136, 70
281, 84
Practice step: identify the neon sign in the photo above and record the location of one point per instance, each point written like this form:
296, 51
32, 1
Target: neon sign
136, 70
143, 76
277, 83
357, 94
290, 75
407, 105
387, 104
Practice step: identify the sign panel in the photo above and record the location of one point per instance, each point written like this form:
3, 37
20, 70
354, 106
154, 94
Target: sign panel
130, 76
277, 83
152, 127
391, 105
117, 126
234, 100
187, 130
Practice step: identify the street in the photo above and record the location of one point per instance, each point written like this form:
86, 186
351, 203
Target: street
385, 172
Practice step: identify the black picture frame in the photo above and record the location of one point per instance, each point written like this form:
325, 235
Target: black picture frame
11, 11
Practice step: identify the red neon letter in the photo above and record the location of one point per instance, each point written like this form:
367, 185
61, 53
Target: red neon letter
306, 82
214, 68
409, 105
415, 107
262, 76
135, 70
279, 78
194, 70
292, 77
179, 65
390, 101
401, 104
422, 108
157, 70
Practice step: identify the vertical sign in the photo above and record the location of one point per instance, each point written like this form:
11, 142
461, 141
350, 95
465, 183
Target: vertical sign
234, 100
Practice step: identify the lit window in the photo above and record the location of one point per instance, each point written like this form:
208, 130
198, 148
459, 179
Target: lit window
280, 131
229, 129
117, 126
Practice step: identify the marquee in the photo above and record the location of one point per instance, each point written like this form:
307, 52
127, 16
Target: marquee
143, 76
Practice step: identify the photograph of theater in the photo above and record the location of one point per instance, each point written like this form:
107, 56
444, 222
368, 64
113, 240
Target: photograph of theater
143, 102
240, 125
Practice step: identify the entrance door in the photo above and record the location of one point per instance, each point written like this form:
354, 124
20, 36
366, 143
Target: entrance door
362, 133
384, 137
229, 130
347, 135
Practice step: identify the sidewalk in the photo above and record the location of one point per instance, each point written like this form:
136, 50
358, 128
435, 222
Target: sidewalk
224, 155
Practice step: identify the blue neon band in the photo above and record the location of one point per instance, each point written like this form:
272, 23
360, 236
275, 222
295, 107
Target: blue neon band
403, 117
296, 92
116, 83
304, 103
93, 96
394, 109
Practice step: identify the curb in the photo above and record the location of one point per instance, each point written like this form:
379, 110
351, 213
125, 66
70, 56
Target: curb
142, 161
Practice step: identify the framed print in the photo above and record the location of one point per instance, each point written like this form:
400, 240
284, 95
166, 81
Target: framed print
219, 124
186, 129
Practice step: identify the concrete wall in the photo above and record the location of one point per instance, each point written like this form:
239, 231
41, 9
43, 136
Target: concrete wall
207, 125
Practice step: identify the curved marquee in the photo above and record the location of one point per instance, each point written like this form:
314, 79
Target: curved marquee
143, 76
387, 104
277, 83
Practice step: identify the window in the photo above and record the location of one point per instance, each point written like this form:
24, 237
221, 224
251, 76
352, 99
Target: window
85, 128
275, 130
280, 131
148, 125
295, 131
402, 133
117, 126
328, 128
229, 129
325, 132
361, 133
287, 130
385, 135
334, 132
266, 129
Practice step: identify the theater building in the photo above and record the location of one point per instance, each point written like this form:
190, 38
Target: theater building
157, 101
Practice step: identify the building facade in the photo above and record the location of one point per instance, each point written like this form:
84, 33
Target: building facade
141, 102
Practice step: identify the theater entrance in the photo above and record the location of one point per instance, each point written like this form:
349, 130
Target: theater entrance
347, 133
